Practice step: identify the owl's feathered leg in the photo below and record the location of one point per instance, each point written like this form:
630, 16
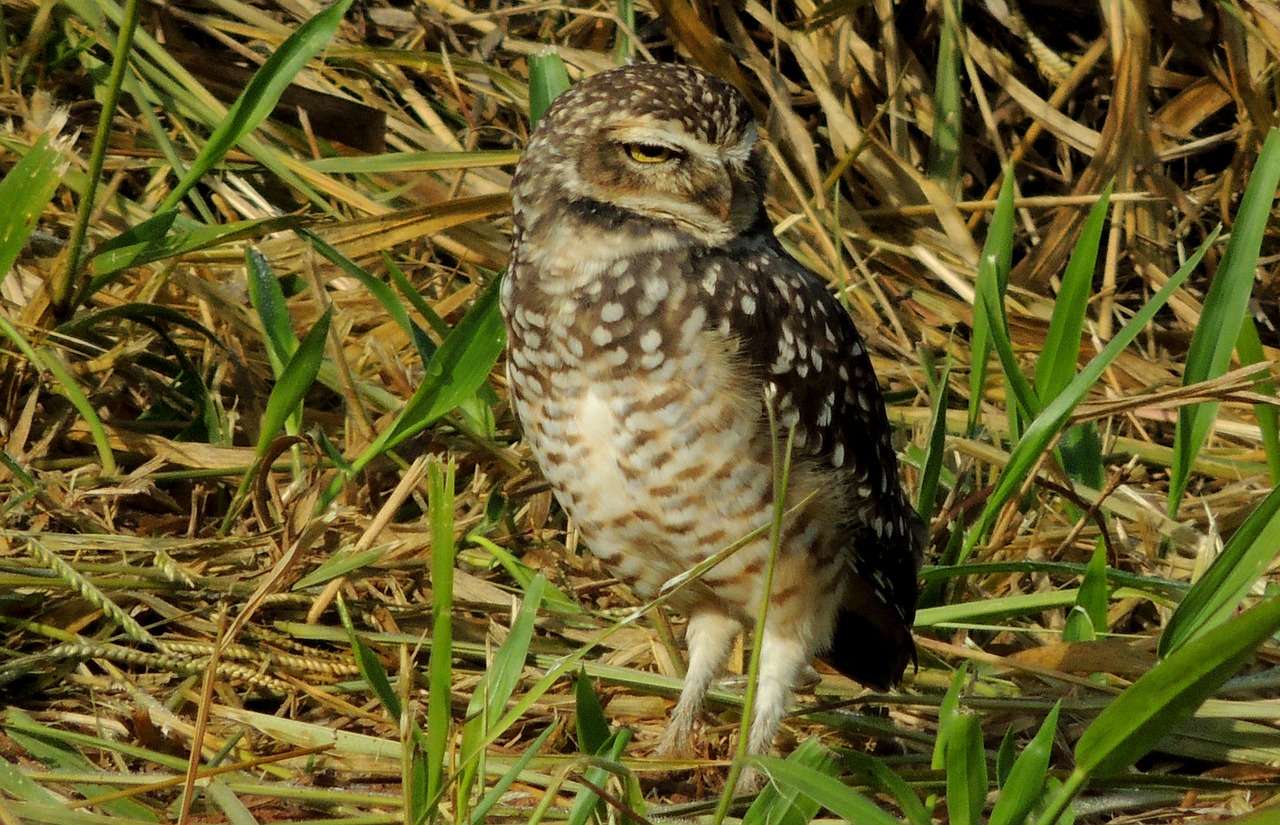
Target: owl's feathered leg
783, 657
709, 638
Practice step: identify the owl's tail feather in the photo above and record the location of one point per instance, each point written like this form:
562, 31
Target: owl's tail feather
872, 641
873, 650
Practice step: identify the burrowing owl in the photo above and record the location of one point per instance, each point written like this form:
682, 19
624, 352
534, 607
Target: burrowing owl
653, 320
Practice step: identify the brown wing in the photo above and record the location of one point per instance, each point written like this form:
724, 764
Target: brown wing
804, 346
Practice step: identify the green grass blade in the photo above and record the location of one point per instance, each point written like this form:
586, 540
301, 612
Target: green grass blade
624, 47
49, 360
1093, 597
297, 378
509, 662
25, 192
1080, 449
927, 501
1057, 362
1217, 594
370, 667
826, 790
780, 803
1225, 308
63, 287
457, 370
1249, 348
497, 685
440, 491
1026, 403
944, 150
62, 756
19, 786
1025, 786
152, 240
547, 79
153, 315
384, 294
966, 764
877, 774
517, 769
1170, 692
261, 95
1040, 434
268, 300
588, 801
997, 252
593, 727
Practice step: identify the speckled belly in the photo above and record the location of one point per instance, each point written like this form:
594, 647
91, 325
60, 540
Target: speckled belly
661, 468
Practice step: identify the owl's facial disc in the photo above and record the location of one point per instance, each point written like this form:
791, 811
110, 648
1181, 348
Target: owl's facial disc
658, 171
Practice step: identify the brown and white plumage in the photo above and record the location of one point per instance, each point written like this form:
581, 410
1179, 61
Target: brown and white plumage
650, 314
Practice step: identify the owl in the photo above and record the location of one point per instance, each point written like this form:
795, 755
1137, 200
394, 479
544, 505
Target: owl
663, 349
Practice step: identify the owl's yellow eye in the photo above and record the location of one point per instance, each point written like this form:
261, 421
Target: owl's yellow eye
649, 152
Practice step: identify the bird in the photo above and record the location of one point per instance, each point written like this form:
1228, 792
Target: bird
662, 350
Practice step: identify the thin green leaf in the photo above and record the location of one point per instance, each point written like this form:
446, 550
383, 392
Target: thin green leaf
1249, 348
624, 47
966, 764
267, 299
827, 791
261, 95
997, 250
1094, 596
384, 294
1061, 352
1025, 786
299, 375
927, 501
1225, 308
1217, 593
25, 191
987, 610
1027, 403
876, 773
548, 77
944, 149
593, 727
440, 492
140, 245
588, 801
1170, 693
154, 315
341, 563
456, 371
18, 785
370, 667
513, 773
781, 803
49, 360
1081, 452
948, 711
62, 757
498, 684
1005, 756
416, 162
509, 662
1078, 626
417, 803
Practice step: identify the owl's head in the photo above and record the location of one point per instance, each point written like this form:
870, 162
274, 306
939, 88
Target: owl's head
652, 146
